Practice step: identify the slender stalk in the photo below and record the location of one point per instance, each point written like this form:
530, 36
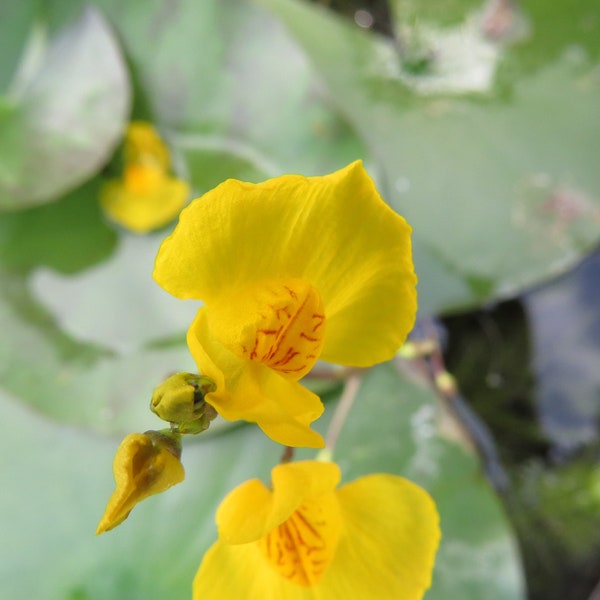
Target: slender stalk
288, 455
342, 410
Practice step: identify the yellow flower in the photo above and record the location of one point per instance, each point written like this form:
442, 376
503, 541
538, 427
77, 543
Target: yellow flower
147, 196
304, 540
290, 270
143, 145
145, 464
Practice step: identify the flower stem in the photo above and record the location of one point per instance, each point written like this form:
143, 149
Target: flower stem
342, 410
288, 455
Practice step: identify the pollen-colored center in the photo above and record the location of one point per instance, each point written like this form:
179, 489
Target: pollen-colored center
301, 548
280, 324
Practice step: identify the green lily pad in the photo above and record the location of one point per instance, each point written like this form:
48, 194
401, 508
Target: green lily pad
493, 165
155, 553
214, 74
210, 160
15, 24
85, 347
64, 113
67, 235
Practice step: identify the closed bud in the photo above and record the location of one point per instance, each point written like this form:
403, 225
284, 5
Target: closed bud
145, 464
180, 400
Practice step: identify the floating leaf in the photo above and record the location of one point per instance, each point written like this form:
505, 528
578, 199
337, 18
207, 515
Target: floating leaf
228, 77
65, 112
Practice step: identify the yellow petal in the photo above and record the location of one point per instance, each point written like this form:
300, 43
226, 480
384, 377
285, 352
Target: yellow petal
143, 145
251, 510
235, 572
389, 543
335, 232
253, 392
316, 477
146, 200
239, 572
144, 465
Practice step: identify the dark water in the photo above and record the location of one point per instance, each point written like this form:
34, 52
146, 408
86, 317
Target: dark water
529, 369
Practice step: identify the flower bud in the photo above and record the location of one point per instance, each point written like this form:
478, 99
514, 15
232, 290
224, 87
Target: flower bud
180, 400
145, 464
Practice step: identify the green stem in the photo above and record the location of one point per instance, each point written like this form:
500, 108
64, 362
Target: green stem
341, 412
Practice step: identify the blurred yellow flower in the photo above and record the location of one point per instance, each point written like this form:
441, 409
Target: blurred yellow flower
304, 540
143, 145
147, 196
290, 270
145, 464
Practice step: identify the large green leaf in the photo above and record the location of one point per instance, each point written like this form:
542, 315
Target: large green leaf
67, 235
85, 347
493, 165
15, 23
64, 113
59, 477
210, 160
227, 72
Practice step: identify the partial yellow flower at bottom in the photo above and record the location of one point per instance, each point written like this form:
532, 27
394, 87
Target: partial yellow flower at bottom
146, 197
306, 540
145, 464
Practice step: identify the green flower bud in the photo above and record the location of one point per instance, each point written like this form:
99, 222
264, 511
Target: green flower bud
180, 400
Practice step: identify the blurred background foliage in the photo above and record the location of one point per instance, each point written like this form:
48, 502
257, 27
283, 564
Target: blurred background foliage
480, 122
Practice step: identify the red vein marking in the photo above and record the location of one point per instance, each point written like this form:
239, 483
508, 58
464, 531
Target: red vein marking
289, 324
253, 352
310, 527
291, 291
289, 355
293, 370
295, 548
321, 321
265, 332
283, 310
269, 331
310, 339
